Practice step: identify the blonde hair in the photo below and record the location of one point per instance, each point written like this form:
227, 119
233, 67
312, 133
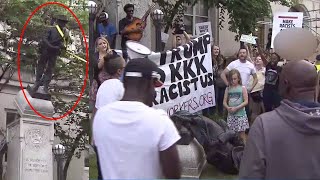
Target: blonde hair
103, 39
233, 72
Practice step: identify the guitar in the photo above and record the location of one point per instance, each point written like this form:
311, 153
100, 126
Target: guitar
138, 23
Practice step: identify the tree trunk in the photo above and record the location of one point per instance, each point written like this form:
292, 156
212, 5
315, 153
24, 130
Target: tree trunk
2, 152
71, 153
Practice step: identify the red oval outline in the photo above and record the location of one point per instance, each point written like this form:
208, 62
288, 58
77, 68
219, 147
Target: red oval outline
87, 58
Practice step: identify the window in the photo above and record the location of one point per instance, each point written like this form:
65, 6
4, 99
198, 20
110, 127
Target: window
11, 115
196, 14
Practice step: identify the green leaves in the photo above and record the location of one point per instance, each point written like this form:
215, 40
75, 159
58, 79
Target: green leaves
242, 14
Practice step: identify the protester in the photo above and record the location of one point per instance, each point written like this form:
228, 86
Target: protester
177, 39
107, 30
219, 64
129, 9
235, 100
112, 89
100, 75
271, 97
283, 143
134, 140
245, 68
255, 98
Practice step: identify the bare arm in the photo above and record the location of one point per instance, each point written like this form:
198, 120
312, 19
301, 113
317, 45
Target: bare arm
174, 41
245, 99
264, 59
186, 35
170, 163
225, 99
224, 76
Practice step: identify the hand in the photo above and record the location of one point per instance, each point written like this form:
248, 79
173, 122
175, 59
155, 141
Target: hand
229, 109
233, 110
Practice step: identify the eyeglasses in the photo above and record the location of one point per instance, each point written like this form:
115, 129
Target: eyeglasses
130, 11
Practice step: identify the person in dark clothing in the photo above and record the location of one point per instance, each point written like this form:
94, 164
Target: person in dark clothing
129, 9
50, 48
271, 97
284, 143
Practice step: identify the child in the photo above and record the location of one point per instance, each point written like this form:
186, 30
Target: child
235, 100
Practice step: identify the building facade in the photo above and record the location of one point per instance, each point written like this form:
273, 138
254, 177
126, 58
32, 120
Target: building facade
201, 13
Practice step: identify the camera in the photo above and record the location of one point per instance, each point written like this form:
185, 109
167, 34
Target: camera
179, 28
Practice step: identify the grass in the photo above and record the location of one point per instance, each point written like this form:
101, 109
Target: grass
93, 169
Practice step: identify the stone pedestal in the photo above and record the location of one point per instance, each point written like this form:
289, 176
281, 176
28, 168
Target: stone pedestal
30, 140
193, 160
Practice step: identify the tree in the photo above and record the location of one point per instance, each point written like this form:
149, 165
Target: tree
73, 133
243, 14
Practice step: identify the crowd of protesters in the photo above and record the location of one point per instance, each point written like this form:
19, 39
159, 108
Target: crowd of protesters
278, 103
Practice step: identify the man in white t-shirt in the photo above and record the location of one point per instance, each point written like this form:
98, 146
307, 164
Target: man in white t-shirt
245, 68
135, 141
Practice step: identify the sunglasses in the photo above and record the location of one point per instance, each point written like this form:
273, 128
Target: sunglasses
130, 11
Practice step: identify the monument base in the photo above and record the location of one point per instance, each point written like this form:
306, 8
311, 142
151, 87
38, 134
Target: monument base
193, 160
30, 139
39, 94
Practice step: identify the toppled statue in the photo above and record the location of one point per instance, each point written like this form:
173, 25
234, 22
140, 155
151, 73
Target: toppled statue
50, 47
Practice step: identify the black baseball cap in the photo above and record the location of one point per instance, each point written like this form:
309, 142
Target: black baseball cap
62, 18
143, 68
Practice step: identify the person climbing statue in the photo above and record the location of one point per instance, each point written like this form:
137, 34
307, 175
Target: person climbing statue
50, 47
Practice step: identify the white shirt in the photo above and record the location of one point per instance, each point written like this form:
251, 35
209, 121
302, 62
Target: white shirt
246, 69
128, 136
109, 91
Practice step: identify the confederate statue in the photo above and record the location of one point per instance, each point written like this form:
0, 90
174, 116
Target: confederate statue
50, 47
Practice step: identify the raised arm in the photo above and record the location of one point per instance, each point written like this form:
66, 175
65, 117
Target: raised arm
186, 35
264, 59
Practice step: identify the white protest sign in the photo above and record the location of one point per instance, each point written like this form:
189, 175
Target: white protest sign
285, 20
164, 37
202, 28
248, 39
187, 75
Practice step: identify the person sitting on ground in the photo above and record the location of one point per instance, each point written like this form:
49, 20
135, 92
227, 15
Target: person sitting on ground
284, 143
135, 141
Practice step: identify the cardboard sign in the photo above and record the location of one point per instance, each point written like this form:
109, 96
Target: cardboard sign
248, 39
187, 75
204, 27
285, 20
